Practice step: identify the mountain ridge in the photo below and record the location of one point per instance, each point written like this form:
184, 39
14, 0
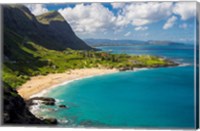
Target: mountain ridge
50, 30
46, 18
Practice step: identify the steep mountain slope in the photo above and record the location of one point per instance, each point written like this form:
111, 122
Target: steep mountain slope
49, 30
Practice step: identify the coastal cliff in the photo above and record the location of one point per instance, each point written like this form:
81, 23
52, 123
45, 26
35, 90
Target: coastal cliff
15, 110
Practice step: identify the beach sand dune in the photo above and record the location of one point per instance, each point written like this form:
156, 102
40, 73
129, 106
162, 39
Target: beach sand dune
39, 83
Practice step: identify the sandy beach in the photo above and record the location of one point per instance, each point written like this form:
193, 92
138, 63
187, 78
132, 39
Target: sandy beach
39, 83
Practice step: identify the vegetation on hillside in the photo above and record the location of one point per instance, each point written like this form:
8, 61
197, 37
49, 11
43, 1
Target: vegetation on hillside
24, 58
49, 30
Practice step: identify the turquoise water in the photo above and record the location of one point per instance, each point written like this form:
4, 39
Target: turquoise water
154, 98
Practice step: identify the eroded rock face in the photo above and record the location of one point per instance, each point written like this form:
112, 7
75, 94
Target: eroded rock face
49, 103
15, 110
42, 100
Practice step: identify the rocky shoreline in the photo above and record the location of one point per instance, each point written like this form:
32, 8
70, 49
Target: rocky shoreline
43, 100
16, 110
48, 101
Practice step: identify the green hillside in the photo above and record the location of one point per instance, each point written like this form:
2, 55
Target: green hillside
23, 59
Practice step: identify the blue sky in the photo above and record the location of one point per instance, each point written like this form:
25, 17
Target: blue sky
174, 21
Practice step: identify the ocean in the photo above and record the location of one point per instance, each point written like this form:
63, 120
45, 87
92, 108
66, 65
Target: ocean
151, 98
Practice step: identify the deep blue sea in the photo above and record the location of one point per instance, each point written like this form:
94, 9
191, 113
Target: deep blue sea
153, 98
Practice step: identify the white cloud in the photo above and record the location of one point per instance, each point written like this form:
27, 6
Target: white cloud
37, 9
121, 21
117, 5
95, 17
127, 34
183, 26
170, 22
185, 9
144, 13
139, 14
141, 28
89, 18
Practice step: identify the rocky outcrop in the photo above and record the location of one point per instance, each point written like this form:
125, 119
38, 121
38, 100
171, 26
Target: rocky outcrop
43, 100
63, 106
15, 110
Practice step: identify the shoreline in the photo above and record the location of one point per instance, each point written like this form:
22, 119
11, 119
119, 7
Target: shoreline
39, 85
41, 94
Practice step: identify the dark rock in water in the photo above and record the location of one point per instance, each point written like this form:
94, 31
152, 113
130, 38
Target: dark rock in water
63, 106
51, 121
44, 100
50, 103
